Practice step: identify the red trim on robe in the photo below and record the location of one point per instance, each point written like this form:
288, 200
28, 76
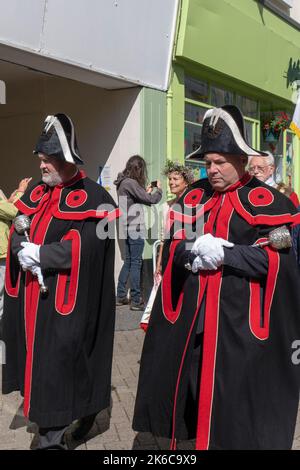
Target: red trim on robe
296, 219
201, 289
166, 293
260, 197
93, 214
38, 230
193, 197
259, 219
38, 192
209, 357
81, 215
240, 183
262, 331
294, 198
80, 175
12, 291
60, 305
254, 304
209, 224
56, 212
189, 219
211, 325
32, 210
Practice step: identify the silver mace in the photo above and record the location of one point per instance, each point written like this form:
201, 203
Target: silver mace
22, 226
279, 238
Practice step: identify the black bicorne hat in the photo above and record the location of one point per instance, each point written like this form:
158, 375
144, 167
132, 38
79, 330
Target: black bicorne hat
58, 139
223, 131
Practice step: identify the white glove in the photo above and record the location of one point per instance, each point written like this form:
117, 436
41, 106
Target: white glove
209, 251
29, 256
36, 271
200, 264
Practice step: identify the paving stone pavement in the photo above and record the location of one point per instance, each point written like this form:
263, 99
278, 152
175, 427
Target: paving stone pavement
17, 433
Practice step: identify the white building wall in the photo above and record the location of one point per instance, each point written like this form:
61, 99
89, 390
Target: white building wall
289, 7
295, 10
107, 124
130, 40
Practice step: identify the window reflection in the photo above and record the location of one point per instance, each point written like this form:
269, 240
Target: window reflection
247, 106
192, 137
219, 97
194, 113
196, 90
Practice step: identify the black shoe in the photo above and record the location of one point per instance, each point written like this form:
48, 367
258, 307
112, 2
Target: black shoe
123, 301
84, 425
55, 447
137, 307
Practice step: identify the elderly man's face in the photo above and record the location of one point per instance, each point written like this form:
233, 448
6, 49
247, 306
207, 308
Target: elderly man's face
260, 168
224, 170
50, 168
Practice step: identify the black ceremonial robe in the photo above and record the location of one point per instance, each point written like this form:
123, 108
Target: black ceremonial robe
247, 384
59, 347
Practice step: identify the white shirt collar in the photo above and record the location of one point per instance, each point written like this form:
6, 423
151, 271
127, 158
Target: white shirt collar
271, 182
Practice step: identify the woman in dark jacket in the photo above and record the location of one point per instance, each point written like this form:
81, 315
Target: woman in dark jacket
132, 196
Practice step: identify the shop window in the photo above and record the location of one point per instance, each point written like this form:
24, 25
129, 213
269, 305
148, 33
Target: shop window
199, 97
219, 97
192, 137
247, 106
193, 124
194, 113
252, 130
196, 90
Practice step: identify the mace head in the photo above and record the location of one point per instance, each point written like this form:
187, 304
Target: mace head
280, 238
21, 223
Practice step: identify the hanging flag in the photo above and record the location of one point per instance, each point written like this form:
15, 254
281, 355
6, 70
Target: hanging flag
295, 124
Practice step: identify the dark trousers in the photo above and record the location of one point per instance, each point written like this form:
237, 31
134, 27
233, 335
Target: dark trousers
131, 269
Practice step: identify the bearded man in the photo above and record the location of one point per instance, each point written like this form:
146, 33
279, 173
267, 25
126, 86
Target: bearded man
59, 345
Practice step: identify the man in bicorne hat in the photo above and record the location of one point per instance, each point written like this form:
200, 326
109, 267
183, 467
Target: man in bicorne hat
59, 345
217, 364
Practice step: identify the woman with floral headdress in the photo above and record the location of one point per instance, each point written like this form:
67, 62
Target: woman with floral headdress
179, 178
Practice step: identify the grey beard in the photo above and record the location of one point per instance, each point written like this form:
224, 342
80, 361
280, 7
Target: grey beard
52, 179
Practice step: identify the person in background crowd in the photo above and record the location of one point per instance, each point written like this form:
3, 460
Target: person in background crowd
288, 191
179, 178
59, 345
8, 211
133, 194
263, 169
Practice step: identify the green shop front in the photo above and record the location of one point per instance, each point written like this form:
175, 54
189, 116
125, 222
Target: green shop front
234, 52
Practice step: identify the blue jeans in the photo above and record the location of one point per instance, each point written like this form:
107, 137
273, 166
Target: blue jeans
131, 269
